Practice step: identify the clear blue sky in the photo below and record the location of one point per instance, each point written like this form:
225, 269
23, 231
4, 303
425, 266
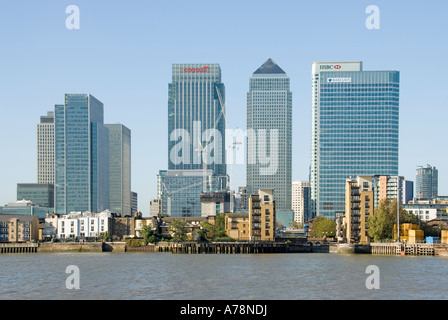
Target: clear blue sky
123, 51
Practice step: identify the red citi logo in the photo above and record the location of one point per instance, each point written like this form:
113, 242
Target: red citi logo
194, 70
337, 66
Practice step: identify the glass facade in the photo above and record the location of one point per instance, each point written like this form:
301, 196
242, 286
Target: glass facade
269, 129
81, 155
196, 118
41, 194
180, 190
120, 168
426, 183
355, 123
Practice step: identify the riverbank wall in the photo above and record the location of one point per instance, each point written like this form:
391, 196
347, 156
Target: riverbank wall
419, 249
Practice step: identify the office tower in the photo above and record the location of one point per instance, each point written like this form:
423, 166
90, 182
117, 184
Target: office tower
269, 133
196, 139
119, 169
196, 118
358, 207
355, 117
45, 149
262, 213
81, 155
426, 183
41, 194
300, 201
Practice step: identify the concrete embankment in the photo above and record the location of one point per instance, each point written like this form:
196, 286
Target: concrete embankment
71, 247
419, 249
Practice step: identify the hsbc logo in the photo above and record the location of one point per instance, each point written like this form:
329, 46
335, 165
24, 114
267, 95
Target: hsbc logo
330, 67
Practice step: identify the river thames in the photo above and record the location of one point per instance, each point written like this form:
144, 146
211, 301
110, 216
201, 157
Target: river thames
165, 276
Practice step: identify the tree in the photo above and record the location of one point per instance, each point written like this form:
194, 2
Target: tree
179, 229
297, 225
381, 223
148, 234
218, 229
323, 227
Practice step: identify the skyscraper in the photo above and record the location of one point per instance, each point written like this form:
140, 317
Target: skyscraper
45, 149
355, 117
81, 155
196, 118
119, 169
426, 182
269, 133
196, 139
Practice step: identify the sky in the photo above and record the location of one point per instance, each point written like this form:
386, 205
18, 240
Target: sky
123, 52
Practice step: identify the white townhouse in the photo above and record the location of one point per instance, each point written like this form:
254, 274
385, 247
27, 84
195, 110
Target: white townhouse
84, 224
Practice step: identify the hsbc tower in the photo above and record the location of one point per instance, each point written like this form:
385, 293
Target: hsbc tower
354, 129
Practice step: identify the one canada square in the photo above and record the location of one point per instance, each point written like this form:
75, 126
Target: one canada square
269, 133
355, 129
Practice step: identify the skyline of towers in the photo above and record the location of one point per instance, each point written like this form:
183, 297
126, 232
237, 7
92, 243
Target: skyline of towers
348, 102
269, 133
355, 129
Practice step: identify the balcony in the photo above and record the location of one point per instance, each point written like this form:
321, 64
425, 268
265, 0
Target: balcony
256, 213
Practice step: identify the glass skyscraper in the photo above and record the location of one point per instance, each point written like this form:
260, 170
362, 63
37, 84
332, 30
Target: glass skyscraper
196, 139
355, 129
81, 155
426, 183
269, 133
196, 118
120, 169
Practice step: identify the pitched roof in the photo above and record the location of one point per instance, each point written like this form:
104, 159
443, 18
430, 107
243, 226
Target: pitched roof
269, 67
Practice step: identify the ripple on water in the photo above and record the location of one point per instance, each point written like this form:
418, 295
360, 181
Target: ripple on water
230, 277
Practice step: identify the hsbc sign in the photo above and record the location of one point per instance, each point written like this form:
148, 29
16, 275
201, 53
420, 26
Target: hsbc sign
330, 67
